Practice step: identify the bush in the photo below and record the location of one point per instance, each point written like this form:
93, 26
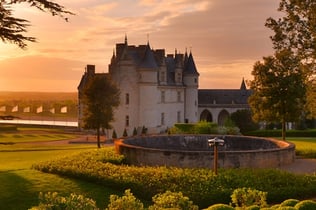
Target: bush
50, 201
200, 185
127, 202
289, 202
174, 200
243, 197
306, 205
220, 207
204, 127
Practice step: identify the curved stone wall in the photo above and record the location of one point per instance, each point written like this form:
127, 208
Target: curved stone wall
193, 151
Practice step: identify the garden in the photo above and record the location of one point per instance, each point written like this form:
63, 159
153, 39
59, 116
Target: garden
39, 175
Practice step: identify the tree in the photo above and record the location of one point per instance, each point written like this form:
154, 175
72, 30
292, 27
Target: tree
12, 28
296, 31
279, 89
100, 97
243, 119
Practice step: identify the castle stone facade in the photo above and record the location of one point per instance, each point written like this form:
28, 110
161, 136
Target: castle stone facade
159, 90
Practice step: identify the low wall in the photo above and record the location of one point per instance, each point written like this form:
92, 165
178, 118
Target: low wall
193, 151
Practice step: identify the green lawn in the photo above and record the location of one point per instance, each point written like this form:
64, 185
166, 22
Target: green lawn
20, 185
305, 146
16, 137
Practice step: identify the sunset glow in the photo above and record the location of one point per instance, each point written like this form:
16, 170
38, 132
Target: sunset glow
225, 37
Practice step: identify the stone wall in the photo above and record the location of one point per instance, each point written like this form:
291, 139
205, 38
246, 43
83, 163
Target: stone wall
193, 151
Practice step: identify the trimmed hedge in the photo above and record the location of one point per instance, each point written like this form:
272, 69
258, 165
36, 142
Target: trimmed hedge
200, 185
278, 133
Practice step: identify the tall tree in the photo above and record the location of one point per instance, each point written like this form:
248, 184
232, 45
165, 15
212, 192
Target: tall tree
13, 28
100, 97
279, 89
296, 31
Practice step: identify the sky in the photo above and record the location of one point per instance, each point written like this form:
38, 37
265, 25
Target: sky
225, 37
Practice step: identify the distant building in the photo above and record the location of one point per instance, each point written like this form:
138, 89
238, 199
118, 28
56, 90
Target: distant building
159, 90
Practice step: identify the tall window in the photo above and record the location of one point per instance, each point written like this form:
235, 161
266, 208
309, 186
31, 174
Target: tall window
179, 96
162, 119
163, 76
162, 96
127, 98
126, 120
178, 116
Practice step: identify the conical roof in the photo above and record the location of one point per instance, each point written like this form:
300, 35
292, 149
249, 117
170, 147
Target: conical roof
148, 60
190, 67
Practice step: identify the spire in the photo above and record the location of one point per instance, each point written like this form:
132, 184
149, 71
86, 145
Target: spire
113, 56
243, 85
125, 41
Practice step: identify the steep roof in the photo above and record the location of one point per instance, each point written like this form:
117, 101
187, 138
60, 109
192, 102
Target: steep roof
189, 66
148, 60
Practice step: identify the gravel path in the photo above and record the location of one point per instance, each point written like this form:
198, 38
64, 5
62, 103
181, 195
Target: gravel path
301, 166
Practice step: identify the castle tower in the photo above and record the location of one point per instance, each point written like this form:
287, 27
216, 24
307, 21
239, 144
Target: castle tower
191, 81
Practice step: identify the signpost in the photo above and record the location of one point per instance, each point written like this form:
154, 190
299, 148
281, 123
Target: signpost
215, 142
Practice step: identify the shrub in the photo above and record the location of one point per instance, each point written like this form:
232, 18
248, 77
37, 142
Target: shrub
286, 208
125, 133
204, 127
220, 206
289, 202
135, 132
172, 200
114, 135
243, 197
306, 205
127, 202
253, 207
54, 201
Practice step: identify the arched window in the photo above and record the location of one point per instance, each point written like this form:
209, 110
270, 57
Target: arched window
206, 116
223, 115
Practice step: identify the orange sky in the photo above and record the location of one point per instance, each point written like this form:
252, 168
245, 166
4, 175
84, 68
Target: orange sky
226, 38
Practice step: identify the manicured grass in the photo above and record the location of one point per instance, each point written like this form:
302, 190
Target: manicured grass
305, 146
20, 185
21, 137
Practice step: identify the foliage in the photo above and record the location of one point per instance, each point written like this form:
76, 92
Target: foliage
243, 119
144, 130
127, 202
135, 132
306, 205
100, 97
114, 135
125, 133
50, 201
200, 185
273, 100
172, 200
243, 197
289, 202
12, 28
296, 31
202, 127
220, 206
278, 133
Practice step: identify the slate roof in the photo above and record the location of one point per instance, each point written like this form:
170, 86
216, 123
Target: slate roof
223, 96
145, 57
